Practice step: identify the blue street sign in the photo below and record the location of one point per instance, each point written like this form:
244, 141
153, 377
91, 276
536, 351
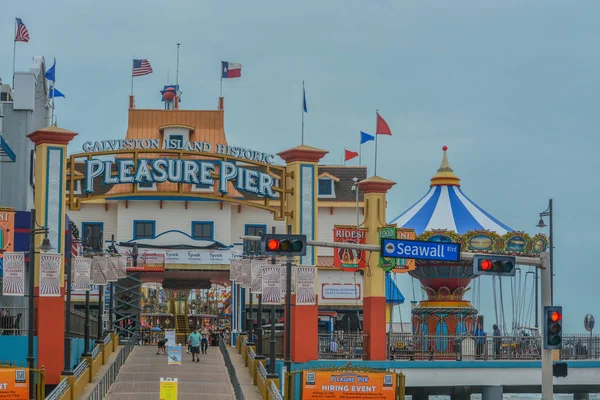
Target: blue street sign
397, 248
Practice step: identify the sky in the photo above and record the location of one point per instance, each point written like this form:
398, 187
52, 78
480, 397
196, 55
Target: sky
512, 88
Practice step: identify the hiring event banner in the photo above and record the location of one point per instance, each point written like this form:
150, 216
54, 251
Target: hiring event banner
50, 275
349, 385
348, 259
13, 283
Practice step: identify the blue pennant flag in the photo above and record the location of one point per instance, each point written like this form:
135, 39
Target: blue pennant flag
51, 74
55, 93
304, 101
365, 137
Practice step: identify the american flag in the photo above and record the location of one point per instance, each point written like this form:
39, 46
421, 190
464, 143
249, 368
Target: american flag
22, 32
141, 67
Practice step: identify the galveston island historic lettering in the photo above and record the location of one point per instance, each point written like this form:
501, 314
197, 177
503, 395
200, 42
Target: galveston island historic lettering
154, 144
179, 171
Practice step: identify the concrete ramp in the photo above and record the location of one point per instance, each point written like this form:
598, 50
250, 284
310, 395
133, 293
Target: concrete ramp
140, 376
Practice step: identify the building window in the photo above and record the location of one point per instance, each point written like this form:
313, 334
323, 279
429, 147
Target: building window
178, 139
92, 234
202, 230
254, 230
144, 229
325, 187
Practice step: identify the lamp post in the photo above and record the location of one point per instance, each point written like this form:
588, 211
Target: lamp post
87, 252
46, 246
112, 250
541, 224
73, 237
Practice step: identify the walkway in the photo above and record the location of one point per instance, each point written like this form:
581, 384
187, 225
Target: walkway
140, 376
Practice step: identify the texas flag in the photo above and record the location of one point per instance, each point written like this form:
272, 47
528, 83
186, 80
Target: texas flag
230, 69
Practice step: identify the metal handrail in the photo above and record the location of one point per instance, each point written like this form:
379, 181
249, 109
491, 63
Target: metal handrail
59, 390
107, 339
96, 352
262, 371
81, 368
274, 392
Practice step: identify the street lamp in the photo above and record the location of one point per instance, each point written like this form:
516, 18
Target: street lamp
541, 224
34, 229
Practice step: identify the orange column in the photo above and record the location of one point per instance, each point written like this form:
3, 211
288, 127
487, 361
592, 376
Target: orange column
374, 306
50, 199
302, 214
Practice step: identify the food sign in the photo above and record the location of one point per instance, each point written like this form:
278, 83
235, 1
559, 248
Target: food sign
348, 385
348, 259
404, 264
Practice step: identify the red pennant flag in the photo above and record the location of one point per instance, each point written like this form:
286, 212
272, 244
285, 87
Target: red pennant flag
350, 155
382, 126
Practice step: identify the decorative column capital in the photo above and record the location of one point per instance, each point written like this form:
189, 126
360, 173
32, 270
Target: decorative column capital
302, 153
375, 184
52, 135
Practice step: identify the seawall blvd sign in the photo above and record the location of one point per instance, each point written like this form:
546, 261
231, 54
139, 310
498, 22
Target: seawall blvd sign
435, 251
178, 171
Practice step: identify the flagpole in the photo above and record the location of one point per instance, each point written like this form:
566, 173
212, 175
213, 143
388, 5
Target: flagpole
344, 157
14, 54
303, 97
53, 93
132, 76
360, 152
376, 120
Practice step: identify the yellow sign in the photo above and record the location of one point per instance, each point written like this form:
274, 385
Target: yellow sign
13, 384
404, 264
349, 385
168, 388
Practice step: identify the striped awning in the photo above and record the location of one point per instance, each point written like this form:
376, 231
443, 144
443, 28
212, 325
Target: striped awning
392, 293
6, 153
445, 206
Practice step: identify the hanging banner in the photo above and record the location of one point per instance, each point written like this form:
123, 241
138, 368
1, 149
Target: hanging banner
50, 275
348, 385
98, 268
284, 280
81, 273
388, 232
14, 274
111, 273
14, 383
7, 232
256, 267
121, 267
306, 285
174, 354
271, 285
348, 259
233, 270
403, 264
246, 272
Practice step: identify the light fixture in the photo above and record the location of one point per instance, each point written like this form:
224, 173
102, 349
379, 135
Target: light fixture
541, 224
46, 246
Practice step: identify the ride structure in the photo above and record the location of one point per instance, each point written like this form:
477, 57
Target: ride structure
446, 214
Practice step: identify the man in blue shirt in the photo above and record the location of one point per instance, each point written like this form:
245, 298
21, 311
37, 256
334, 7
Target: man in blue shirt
194, 340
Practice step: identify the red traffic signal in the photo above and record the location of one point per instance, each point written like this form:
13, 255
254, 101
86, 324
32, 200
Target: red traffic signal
273, 244
552, 327
283, 245
555, 316
486, 265
491, 264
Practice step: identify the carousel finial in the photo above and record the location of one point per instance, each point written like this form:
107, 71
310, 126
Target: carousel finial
445, 175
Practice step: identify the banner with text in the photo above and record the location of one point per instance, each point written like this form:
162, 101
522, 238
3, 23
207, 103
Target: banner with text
306, 285
348, 385
111, 270
246, 270
284, 280
271, 285
98, 271
256, 267
7, 232
82, 267
176, 256
348, 259
13, 283
50, 275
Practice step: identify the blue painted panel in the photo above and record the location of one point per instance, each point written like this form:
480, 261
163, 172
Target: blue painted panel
14, 349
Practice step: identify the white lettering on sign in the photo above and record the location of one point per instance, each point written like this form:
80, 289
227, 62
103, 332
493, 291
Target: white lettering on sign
349, 234
201, 147
179, 171
4, 217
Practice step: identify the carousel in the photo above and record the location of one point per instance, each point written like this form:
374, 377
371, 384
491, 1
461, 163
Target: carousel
446, 214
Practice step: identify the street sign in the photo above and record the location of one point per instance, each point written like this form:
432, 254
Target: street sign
589, 322
414, 249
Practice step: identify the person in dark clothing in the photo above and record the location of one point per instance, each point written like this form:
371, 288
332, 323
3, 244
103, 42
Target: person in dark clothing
497, 341
162, 345
479, 341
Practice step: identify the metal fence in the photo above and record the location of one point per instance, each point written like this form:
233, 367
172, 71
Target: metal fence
78, 324
274, 392
59, 390
110, 376
342, 345
467, 347
13, 320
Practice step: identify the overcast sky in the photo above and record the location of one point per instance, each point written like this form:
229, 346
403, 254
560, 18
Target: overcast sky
511, 87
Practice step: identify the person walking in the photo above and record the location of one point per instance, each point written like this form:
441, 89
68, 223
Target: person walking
194, 341
479, 341
497, 341
162, 345
205, 334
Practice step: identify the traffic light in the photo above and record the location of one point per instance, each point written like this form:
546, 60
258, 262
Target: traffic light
283, 245
488, 264
553, 327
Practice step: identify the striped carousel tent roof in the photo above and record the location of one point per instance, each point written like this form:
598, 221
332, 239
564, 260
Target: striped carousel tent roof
445, 206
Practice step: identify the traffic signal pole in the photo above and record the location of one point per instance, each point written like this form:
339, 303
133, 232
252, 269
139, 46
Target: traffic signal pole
546, 286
